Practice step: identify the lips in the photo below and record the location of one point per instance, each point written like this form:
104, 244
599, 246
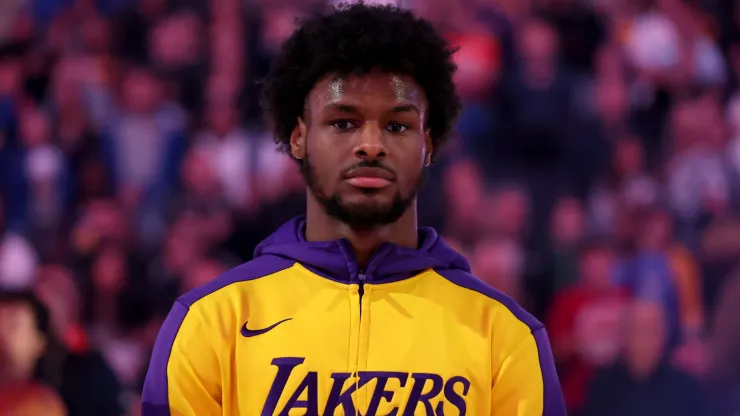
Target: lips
369, 178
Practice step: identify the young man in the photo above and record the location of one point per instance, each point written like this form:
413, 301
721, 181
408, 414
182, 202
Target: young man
354, 309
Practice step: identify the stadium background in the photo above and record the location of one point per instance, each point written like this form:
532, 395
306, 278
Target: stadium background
595, 178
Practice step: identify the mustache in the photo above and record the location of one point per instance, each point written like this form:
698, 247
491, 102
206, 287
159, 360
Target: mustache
368, 164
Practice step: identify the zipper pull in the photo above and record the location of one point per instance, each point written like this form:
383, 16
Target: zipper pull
362, 276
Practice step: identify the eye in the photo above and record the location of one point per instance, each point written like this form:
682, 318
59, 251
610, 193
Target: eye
396, 127
343, 124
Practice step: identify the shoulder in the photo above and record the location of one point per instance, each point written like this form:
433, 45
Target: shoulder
31, 399
216, 307
683, 379
505, 309
606, 380
258, 268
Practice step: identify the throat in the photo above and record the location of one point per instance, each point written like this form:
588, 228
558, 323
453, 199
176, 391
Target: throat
365, 242
320, 226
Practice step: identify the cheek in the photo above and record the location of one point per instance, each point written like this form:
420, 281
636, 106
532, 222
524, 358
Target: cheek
412, 173
326, 160
19, 344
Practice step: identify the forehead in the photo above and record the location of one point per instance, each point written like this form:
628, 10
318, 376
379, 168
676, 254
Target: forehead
15, 309
374, 90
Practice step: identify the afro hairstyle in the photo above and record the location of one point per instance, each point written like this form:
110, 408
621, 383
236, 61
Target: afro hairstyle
354, 39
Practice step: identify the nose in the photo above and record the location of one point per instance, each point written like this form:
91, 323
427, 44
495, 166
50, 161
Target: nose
371, 146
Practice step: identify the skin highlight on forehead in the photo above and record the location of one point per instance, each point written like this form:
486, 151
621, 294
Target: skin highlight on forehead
401, 90
337, 89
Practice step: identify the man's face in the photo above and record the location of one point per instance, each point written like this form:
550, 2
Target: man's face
21, 344
363, 145
596, 268
646, 336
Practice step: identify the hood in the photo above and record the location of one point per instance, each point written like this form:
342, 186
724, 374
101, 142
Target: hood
336, 260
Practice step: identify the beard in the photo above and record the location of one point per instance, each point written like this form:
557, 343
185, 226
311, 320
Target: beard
363, 215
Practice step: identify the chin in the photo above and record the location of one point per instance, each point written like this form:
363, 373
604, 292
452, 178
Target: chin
367, 199
366, 207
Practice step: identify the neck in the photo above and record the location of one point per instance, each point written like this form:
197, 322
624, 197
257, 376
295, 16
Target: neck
10, 376
641, 371
322, 227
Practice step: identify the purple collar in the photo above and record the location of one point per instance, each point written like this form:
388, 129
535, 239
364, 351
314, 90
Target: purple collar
335, 259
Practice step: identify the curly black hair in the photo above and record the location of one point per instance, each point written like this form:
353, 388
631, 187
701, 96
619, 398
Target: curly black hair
356, 39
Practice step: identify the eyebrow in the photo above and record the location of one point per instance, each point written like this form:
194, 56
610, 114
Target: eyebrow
347, 108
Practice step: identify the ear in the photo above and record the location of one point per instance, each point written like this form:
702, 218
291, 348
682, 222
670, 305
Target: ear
39, 346
298, 140
428, 148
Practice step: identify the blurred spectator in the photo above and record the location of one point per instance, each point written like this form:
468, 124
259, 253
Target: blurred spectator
233, 155
30, 400
100, 221
182, 246
538, 77
56, 288
641, 382
201, 273
663, 271
18, 258
143, 137
580, 29
566, 232
665, 42
499, 262
479, 63
143, 149
88, 385
463, 186
112, 328
720, 250
724, 372
134, 24
42, 186
203, 198
507, 210
175, 49
698, 182
10, 11
18, 261
603, 115
647, 271
627, 186
26, 352
584, 322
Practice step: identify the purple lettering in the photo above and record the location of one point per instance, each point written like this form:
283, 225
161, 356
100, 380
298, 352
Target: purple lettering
285, 368
381, 393
428, 390
338, 397
311, 404
417, 394
454, 397
344, 398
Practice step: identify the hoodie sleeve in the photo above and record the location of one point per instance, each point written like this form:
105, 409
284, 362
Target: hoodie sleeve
183, 376
526, 383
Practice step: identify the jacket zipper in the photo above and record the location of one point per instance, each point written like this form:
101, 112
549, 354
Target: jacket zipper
362, 277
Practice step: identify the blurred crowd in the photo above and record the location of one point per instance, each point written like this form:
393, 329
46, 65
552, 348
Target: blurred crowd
595, 178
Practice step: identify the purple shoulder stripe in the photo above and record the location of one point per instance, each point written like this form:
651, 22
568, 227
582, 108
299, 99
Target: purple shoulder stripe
155, 400
259, 267
470, 282
552, 402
